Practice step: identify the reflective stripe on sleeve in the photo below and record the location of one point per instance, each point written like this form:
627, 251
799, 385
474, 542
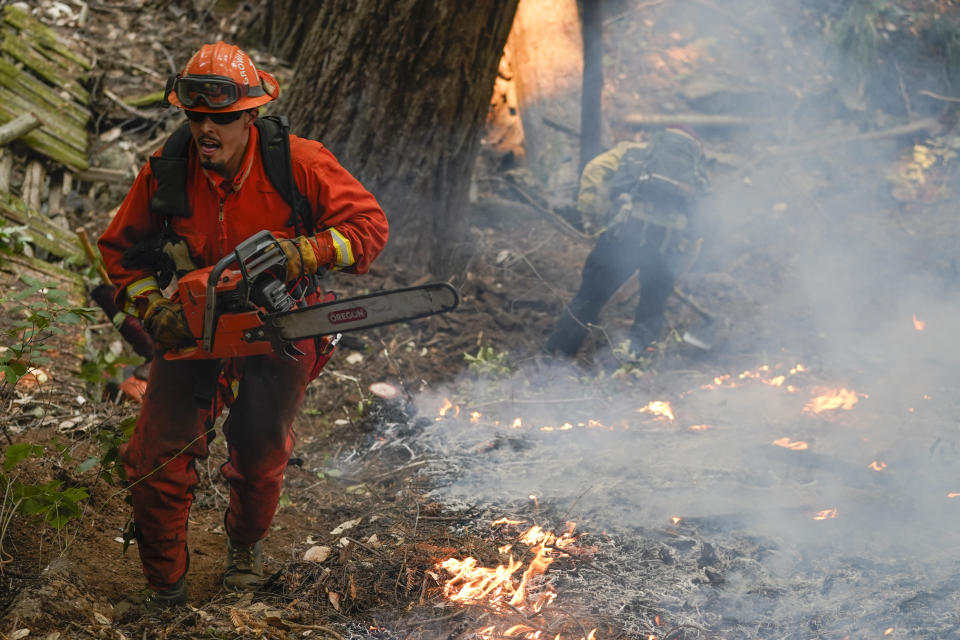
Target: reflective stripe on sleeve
139, 289
341, 247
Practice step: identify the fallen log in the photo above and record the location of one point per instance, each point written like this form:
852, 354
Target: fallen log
67, 281
930, 125
103, 174
17, 127
42, 232
689, 119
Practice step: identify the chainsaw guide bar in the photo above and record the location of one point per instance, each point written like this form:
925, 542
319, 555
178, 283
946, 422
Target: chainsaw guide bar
366, 312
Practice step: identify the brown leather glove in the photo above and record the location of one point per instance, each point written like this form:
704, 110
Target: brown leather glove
301, 255
167, 325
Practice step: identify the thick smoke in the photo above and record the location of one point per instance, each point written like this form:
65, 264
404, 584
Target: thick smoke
832, 272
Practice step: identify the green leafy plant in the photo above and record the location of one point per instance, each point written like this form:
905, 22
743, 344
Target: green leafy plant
12, 237
56, 504
105, 365
37, 311
488, 363
110, 466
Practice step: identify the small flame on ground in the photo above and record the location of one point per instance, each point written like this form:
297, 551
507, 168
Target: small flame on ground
842, 398
495, 588
506, 521
658, 408
761, 373
787, 443
888, 631
775, 381
676, 519
517, 423
953, 495
700, 427
826, 514
918, 324
475, 416
446, 407
877, 466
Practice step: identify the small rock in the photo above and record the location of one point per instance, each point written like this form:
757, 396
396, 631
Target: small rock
316, 554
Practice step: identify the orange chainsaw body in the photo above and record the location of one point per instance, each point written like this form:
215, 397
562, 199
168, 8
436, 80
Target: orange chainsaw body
232, 328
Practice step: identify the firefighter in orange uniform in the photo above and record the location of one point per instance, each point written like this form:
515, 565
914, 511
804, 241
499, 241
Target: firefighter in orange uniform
226, 198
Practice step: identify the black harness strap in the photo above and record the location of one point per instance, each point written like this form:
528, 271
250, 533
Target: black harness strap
275, 151
170, 170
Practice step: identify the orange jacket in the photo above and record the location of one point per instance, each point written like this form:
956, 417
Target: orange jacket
350, 221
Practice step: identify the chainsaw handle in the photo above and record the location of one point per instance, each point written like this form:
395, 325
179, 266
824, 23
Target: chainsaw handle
252, 259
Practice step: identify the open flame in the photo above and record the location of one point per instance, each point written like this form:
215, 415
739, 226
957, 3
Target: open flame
829, 400
446, 408
498, 588
826, 514
658, 408
918, 324
787, 443
877, 465
763, 373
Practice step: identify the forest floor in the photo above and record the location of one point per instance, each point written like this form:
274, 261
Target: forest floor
355, 547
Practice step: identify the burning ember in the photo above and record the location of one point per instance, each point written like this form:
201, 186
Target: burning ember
763, 373
787, 443
498, 589
833, 399
658, 408
445, 409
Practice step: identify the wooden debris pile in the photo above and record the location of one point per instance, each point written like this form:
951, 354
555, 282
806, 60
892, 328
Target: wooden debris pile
41, 74
44, 115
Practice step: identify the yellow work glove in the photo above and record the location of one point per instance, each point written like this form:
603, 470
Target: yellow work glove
301, 256
167, 325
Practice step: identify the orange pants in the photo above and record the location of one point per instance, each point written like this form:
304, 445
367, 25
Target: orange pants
181, 403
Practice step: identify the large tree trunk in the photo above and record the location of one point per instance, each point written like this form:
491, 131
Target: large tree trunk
280, 26
591, 102
399, 91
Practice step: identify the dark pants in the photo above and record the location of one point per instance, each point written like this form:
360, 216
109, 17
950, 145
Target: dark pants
181, 403
620, 251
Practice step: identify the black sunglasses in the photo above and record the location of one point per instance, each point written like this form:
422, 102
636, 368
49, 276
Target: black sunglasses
216, 118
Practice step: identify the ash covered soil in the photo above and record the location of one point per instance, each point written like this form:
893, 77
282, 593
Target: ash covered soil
825, 252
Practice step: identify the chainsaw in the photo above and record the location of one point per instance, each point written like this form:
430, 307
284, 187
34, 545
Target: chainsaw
241, 306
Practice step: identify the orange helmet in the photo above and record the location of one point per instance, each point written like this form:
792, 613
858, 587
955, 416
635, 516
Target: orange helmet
221, 77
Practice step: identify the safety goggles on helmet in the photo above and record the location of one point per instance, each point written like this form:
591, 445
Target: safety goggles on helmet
225, 117
216, 92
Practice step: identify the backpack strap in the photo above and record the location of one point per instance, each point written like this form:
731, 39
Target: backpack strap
170, 170
275, 152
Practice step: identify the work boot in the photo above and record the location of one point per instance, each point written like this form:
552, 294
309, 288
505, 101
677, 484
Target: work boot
244, 566
151, 600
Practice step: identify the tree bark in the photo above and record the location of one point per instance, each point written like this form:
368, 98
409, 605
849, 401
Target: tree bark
591, 101
281, 26
399, 91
